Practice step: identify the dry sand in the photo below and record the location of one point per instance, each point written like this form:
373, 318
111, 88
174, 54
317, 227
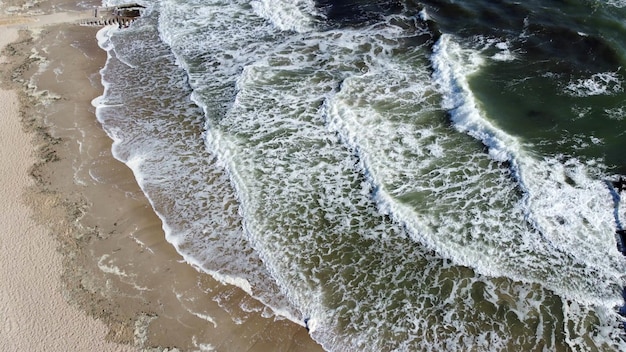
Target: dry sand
112, 260
35, 316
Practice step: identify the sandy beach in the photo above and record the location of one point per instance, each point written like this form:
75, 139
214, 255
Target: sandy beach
31, 301
85, 264
35, 315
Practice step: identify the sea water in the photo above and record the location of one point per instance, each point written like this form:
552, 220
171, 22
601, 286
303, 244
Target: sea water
393, 175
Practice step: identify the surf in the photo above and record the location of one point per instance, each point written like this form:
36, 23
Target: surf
349, 178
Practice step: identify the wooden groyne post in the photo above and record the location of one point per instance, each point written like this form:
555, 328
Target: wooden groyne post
121, 15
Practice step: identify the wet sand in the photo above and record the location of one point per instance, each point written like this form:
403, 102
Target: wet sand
113, 262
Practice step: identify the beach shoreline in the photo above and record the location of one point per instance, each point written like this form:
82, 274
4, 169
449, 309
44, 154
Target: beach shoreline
116, 264
36, 316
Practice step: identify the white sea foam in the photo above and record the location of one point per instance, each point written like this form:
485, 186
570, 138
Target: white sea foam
617, 113
505, 53
605, 83
458, 99
201, 315
580, 112
495, 48
616, 3
105, 265
298, 16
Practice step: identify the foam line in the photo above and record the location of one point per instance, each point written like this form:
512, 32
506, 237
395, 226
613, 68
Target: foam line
460, 102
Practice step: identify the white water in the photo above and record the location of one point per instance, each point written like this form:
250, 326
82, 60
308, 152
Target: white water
314, 137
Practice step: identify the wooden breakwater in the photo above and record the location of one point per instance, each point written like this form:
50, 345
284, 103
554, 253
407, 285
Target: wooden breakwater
121, 15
